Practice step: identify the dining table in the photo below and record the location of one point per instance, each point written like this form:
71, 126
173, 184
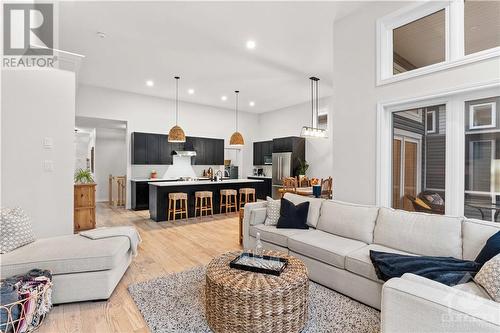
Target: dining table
304, 191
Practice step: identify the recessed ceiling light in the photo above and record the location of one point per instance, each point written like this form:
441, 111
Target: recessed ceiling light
251, 44
224, 98
252, 103
101, 34
150, 83
190, 91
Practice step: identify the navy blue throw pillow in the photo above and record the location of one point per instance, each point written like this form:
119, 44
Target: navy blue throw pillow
293, 217
490, 249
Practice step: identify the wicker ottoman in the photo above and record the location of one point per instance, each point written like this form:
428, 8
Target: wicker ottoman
242, 301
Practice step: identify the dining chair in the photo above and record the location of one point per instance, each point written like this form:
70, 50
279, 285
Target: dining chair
326, 188
304, 182
289, 185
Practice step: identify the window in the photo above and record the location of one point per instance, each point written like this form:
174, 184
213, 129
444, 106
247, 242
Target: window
419, 159
482, 161
482, 116
431, 121
481, 25
430, 36
419, 43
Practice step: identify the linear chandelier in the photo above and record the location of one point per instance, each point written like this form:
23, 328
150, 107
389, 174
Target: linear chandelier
312, 131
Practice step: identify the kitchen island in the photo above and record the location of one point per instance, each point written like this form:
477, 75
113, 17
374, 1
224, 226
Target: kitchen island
158, 193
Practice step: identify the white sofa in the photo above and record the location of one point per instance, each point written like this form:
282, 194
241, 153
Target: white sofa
336, 252
82, 269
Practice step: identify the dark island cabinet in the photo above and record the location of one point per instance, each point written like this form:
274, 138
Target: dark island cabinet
140, 195
149, 148
263, 189
260, 150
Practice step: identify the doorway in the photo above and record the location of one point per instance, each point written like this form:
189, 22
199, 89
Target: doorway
406, 170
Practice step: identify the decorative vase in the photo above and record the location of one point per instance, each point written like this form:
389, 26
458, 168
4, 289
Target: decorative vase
317, 191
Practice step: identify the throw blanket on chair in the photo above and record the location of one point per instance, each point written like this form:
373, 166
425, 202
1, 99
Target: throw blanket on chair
447, 270
125, 231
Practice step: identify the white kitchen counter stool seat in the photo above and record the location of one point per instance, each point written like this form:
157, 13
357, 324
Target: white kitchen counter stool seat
203, 203
228, 200
172, 205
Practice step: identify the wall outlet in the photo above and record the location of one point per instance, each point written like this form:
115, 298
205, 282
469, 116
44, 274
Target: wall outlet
48, 166
48, 143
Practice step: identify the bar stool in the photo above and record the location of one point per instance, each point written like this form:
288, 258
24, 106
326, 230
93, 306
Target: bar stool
245, 194
203, 203
172, 204
231, 198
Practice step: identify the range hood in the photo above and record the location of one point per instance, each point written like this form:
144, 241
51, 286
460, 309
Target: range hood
184, 153
187, 150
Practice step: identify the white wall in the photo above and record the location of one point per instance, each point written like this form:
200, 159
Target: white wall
157, 115
38, 104
288, 122
355, 97
110, 158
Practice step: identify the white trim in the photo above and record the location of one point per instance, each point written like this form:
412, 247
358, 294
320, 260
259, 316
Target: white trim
472, 114
433, 130
455, 139
454, 39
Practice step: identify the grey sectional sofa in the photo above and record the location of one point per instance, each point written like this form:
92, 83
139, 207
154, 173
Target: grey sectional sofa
336, 252
83, 269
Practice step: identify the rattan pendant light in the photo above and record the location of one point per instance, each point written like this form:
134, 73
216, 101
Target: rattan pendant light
236, 138
176, 133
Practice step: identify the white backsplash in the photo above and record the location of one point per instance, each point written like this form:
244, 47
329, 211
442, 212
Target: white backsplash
181, 167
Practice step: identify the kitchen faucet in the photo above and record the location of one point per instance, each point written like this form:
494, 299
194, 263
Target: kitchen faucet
218, 175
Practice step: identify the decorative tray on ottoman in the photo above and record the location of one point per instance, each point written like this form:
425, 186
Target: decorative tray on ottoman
259, 264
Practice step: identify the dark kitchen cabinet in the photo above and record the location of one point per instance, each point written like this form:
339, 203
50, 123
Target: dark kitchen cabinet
264, 188
148, 148
208, 151
153, 149
288, 144
260, 150
166, 149
219, 152
140, 195
139, 148
258, 159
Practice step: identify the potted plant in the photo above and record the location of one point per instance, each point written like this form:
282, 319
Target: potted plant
84, 176
302, 169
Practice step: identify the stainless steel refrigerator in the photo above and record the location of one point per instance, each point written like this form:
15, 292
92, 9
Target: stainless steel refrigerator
282, 167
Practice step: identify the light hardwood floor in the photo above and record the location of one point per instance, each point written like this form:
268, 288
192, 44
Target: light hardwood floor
167, 247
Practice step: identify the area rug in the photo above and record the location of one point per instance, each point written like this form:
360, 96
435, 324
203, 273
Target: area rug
175, 303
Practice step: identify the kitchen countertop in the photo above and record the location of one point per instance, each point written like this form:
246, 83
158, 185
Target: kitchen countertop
154, 179
264, 177
204, 182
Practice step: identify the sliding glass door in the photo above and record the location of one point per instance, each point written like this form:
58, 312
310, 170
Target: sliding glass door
418, 159
482, 158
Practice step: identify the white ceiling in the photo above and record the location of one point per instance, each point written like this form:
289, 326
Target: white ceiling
204, 43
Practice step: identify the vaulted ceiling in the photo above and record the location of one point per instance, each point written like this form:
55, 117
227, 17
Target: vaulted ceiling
205, 43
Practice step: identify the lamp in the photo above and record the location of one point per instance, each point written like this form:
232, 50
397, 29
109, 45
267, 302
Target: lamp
311, 131
236, 138
176, 133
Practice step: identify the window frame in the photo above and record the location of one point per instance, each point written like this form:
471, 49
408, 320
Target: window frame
454, 40
433, 131
454, 100
493, 116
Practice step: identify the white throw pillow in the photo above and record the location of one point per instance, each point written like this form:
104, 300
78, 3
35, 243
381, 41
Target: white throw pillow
489, 277
273, 211
15, 229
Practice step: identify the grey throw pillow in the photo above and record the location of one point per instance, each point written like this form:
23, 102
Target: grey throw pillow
15, 229
273, 211
489, 277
